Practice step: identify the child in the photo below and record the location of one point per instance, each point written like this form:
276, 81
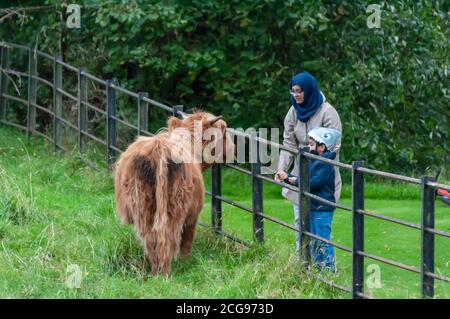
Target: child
321, 142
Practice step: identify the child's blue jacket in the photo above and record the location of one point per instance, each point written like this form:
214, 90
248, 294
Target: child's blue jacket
322, 182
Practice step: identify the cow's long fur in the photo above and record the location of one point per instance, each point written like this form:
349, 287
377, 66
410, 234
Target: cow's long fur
162, 195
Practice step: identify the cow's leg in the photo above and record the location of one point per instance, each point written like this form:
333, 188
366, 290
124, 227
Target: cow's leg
188, 234
122, 207
193, 215
150, 251
169, 246
125, 216
165, 268
166, 257
188, 239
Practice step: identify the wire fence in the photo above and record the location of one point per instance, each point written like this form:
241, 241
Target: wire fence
428, 184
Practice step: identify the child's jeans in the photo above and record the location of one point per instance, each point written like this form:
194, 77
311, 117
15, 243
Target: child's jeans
321, 253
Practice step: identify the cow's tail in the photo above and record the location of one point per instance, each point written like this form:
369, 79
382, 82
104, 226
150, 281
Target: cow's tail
161, 227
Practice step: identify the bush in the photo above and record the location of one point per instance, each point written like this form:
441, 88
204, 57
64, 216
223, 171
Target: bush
389, 85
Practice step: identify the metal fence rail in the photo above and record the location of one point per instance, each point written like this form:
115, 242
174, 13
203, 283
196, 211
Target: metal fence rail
426, 270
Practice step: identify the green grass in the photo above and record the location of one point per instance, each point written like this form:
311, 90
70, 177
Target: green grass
56, 213
381, 238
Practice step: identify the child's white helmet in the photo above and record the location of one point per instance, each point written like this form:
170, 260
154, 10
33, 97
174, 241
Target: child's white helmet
327, 136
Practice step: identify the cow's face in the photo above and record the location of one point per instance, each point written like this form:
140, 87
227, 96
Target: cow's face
209, 132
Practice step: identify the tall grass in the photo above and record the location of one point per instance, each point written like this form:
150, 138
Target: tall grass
17, 201
64, 215
64, 221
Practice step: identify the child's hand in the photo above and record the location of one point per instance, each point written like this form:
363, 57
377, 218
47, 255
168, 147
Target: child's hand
293, 180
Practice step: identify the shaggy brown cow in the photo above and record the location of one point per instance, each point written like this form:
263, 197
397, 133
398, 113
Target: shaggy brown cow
159, 184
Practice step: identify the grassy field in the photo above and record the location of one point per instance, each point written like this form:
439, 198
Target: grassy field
58, 229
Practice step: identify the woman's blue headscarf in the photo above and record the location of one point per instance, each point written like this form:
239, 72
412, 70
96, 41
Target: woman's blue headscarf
313, 98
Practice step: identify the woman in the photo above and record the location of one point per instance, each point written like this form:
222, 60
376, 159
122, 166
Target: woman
309, 110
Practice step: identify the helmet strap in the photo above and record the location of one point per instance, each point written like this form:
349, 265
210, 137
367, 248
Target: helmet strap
317, 145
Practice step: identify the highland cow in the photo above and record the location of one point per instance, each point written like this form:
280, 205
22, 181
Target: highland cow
159, 184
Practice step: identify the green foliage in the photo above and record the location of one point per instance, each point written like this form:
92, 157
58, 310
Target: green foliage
236, 58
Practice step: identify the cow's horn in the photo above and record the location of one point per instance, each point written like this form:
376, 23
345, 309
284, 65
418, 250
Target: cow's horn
214, 119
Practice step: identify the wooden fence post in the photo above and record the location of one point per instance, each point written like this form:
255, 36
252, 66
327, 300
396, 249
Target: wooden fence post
110, 122
82, 109
427, 238
304, 206
176, 109
357, 230
57, 100
142, 113
216, 203
3, 80
257, 191
32, 92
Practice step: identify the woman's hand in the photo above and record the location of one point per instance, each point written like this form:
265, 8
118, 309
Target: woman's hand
280, 175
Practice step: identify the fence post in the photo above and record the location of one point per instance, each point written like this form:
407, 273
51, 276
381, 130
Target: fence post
57, 99
176, 109
3, 80
82, 109
427, 238
304, 205
216, 203
257, 191
142, 112
357, 230
110, 122
31, 109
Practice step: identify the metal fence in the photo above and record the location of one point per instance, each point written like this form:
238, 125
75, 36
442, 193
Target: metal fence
358, 171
